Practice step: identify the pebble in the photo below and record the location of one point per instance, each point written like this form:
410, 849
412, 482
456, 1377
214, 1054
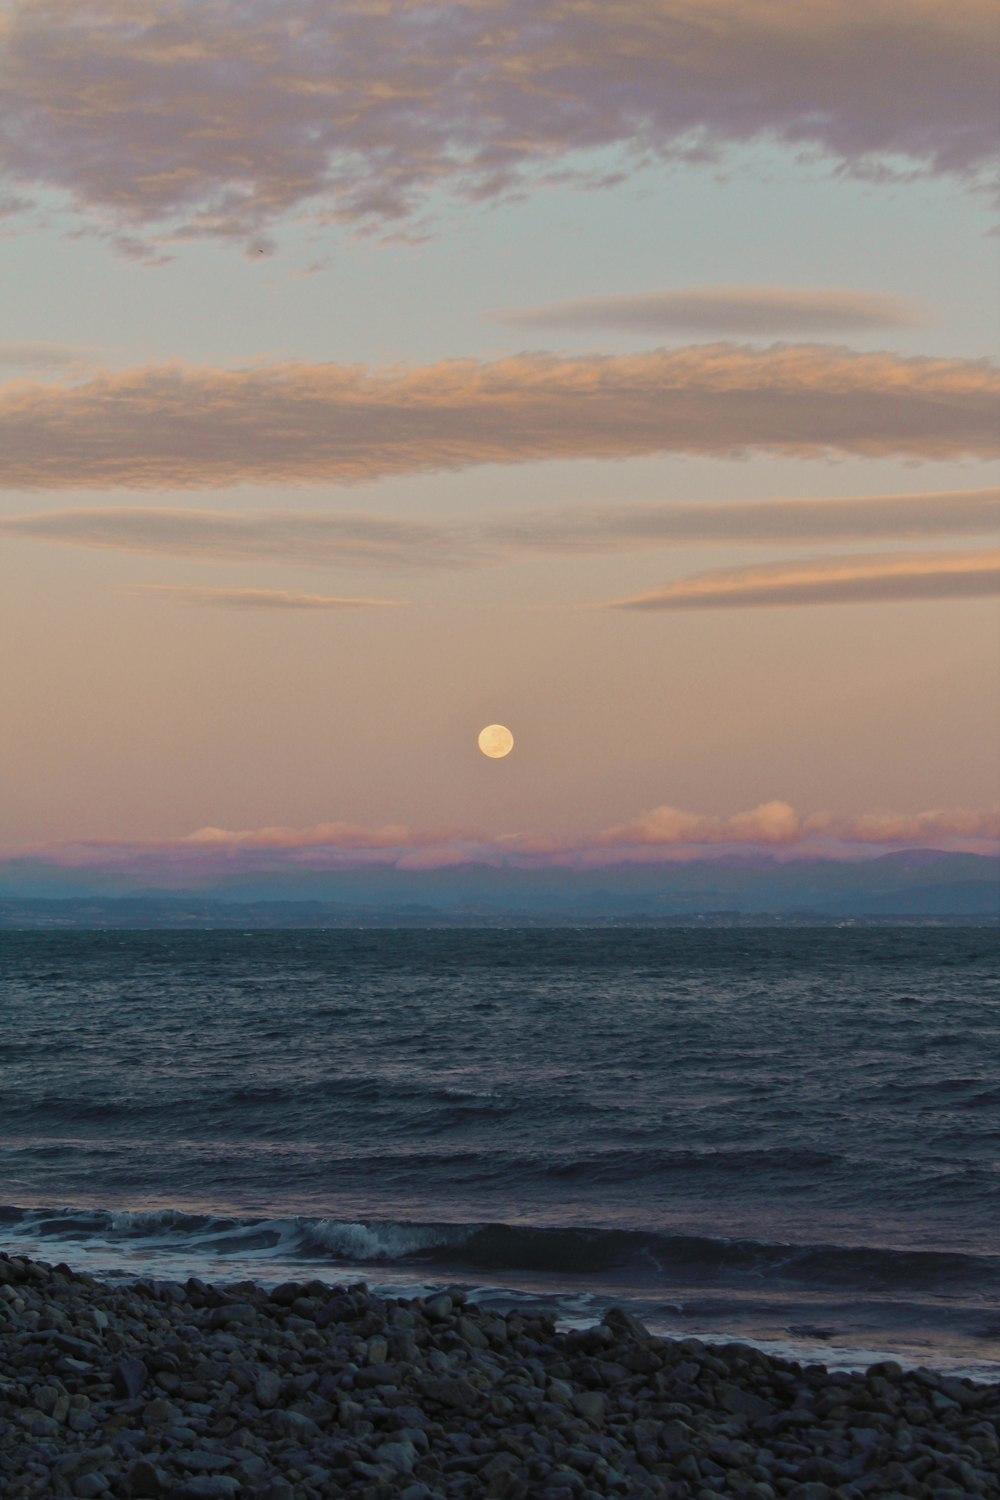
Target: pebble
314, 1392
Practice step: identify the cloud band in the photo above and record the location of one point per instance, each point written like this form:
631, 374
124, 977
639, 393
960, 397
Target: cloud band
361, 110
184, 427
355, 540
660, 833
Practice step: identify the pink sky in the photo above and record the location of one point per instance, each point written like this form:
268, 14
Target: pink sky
625, 376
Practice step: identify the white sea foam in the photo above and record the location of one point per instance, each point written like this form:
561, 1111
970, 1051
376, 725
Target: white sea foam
377, 1242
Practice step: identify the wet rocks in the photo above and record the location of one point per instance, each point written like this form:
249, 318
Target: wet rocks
312, 1392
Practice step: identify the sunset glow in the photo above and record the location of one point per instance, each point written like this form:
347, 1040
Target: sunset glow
632, 372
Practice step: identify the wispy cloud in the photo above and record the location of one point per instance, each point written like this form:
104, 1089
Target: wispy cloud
752, 522
222, 598
725, 311
660, 833
36, 354
354, 540
219, 119
182, 426
315, 538
844, 580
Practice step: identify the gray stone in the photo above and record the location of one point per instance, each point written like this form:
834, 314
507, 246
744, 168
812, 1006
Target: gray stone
84, 1461
267, 1389
129, 1377
471, 1334
158, 1412
202, 1460
591, 1406
145, 1480
445, 1391
89, 1486
296, 1424
399, 1456
208, 1487
742, 1403
75, 1347
232, 1313
624, 1325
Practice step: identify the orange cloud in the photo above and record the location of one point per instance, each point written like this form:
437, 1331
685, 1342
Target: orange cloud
185, 427
361, 110
739, 311
887, 578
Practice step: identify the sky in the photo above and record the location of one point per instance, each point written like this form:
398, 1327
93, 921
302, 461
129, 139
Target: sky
620, 373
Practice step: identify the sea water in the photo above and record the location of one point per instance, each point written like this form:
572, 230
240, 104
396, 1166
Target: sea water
783, 1136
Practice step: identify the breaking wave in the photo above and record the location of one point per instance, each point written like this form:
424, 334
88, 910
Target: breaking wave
660, 1260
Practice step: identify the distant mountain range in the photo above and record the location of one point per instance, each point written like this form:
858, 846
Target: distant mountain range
915, 885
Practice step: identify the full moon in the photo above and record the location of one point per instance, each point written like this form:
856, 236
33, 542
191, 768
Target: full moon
496, 741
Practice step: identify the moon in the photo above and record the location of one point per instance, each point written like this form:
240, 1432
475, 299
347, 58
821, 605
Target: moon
496, 741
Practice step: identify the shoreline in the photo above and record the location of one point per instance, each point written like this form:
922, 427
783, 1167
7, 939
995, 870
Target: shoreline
932, 1308
311, 1390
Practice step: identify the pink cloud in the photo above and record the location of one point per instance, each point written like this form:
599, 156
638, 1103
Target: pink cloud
183, 427
771, 823
218, 119
661, 833
917, 828
321, 836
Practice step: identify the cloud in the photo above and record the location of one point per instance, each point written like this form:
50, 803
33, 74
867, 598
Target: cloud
36, 354
183, 426
924, 827
738, 311
771, 823
887, 578
660, 833
313, 538
750, 522
320, 836
218, 119
347, 539
775, 825
259, 598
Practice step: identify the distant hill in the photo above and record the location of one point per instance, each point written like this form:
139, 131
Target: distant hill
911, 885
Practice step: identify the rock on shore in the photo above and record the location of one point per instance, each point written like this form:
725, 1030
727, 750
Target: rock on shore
312, 1391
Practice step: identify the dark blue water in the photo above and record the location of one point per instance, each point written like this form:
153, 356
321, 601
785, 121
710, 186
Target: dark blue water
786, 1135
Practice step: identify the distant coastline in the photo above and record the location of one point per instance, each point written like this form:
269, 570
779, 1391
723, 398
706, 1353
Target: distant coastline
140, 913
906, 886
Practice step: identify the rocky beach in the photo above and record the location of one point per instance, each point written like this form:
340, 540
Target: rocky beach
309, 1390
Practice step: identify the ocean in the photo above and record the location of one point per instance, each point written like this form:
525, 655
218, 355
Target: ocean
783, 1136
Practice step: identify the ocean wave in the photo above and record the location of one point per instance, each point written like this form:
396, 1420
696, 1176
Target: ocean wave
655, 1259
